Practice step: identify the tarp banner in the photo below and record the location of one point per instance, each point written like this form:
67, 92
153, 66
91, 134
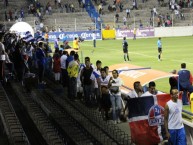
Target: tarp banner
86, 35
141, 32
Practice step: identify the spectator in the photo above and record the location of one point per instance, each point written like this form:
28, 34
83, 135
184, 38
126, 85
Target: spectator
174, 127
2, 58
154, 11
115, 96
40, 55
173, 80
151, 90
21, 14
117, 17
56, 65
10, 15
6, 19
137, 92
185, 82
73, 69
107, 27
140, 24
56, 43
6, 3
86, 81
100, 9
105, 102
15, 15
128, 12
66, 45
64, 74
124, 20
134, 5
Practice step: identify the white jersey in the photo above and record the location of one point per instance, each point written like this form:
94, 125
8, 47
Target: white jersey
175, 115
105, 81
149, 94
133, 94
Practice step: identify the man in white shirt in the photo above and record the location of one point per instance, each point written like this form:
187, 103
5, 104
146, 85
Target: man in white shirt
137, 92
174, 127
151, 90
128, 12
64, 74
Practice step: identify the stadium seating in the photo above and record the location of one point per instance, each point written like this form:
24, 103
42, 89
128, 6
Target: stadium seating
66, 21
143, 13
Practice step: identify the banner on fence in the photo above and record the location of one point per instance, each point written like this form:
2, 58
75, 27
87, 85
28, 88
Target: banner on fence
69, 36
141, 32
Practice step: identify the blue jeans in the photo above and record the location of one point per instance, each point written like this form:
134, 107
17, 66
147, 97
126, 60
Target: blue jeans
116, 106
88, 93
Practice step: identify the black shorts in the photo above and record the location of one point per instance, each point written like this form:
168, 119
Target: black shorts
159, 50
125, 51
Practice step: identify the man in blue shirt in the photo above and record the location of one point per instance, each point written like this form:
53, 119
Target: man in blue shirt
159, 45
185, 82
40, 55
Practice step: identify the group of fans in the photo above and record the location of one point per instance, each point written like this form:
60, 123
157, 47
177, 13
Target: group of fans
91, 84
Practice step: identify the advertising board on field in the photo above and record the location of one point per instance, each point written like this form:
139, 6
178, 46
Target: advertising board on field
86, 35
141, 32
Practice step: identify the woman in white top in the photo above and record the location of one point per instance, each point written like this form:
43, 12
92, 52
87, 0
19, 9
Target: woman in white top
115, 95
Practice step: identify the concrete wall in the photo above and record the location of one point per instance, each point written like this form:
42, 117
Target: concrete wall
173, 31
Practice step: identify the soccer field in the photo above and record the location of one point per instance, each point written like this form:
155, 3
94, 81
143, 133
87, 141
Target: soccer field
143, 52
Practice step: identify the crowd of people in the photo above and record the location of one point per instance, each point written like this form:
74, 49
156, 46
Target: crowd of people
83, 81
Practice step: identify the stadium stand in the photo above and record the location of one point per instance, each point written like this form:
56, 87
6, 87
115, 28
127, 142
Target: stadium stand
66, 21
143, 14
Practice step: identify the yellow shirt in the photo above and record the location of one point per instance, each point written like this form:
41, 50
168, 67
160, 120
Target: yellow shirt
134, 31
75, 44
73, 69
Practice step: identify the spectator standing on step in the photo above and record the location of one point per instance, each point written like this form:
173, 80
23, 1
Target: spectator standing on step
173, 123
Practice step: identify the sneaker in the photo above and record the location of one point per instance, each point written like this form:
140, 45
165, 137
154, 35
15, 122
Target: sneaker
115, 122
118, 121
